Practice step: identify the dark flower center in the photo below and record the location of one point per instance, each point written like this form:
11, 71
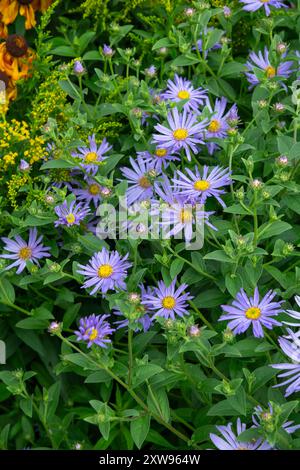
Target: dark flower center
16, 45
25, 2
4, 78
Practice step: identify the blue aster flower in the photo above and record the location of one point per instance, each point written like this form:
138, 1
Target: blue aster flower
251, 311
105, 271
201, 186
21, 251
167, 301
184, 132
94, 329
93, 155
254, 5
229, 440
290, 345
140, 178
182, 89
262, 61
70, 214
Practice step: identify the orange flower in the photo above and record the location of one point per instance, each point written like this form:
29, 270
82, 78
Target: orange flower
41, 5
3, 28
11, 8
9, 91
15, 57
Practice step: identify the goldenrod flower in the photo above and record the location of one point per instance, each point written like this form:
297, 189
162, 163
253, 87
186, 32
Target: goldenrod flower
15, 57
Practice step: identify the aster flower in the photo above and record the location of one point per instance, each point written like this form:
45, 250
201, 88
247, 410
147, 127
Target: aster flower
94, 329
78, 68
184, 132
151, 71
294, 314
229, 440
105, 271
168, 301
107, 51
218, 125
254, 5
245, 312
261, 61
261, 416
290, 345
160, 158
178, 216
92, 192
200, 187
22, 251
93, 154
70, 214
140, 177
181, 89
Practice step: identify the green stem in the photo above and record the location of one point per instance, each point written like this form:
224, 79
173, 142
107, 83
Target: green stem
130, 357
158, 418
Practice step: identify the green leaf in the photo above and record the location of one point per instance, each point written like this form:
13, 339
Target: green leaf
232, 69
238, 401
143, 373
163, 42
7, 292
81, 361
249, 435
276, 228
65, 51
219, 255
39, 320
158, 403
57, 163
92, 55
139, 429
185, 59
176, 267
100, 376
26, 406
223, 408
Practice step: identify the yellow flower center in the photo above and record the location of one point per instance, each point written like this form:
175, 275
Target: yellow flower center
264, 1
70, 218
270, 71
144, 182
91, 157
185, 216
201, 185
180, 134
183, 95
93, 334
214, 125
105, 270
25, 253
161, 152
94, 189
253, 313
168, 302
